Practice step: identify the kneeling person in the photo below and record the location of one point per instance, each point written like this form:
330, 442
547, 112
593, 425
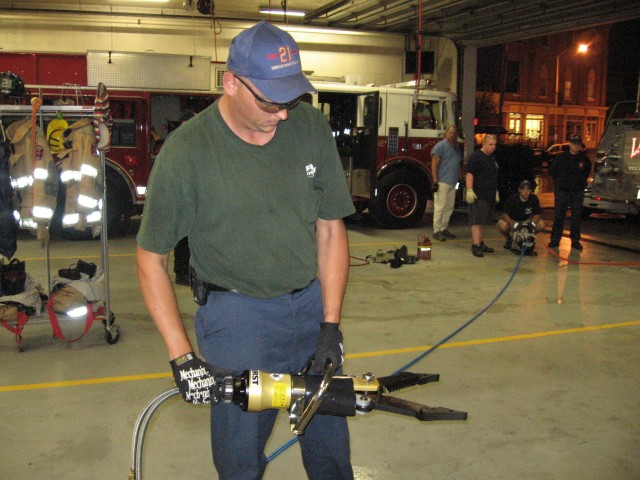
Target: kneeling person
520, 207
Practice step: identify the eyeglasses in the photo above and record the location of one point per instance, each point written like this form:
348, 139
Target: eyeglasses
267, 106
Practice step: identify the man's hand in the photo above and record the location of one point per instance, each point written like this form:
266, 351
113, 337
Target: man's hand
196, 379
329, 346
471, 196
435, 187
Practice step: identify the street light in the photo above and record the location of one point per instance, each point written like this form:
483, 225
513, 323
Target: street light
582, 48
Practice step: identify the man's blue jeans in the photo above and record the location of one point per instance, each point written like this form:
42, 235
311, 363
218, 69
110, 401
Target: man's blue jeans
276, 335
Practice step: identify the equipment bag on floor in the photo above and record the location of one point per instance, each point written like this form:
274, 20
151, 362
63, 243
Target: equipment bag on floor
76, 299
13, 277
15, 310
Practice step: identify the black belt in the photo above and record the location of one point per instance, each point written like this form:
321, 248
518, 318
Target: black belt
215, 288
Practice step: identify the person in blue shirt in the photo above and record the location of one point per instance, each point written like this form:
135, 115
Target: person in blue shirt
446, 172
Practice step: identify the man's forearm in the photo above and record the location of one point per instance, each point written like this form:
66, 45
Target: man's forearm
435, 163
160, 299
469, 180
333, 266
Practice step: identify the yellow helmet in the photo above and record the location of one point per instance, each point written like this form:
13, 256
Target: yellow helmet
55, 133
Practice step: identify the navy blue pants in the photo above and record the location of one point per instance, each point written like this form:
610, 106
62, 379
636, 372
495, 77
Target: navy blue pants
275, 335
564, 200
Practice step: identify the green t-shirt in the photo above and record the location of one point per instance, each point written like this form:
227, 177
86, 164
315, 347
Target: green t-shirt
249, 211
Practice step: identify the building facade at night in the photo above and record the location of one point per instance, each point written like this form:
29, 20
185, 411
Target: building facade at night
543, 90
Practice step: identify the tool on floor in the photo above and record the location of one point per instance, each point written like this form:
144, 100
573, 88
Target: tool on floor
424, 248
523, 238
304, 396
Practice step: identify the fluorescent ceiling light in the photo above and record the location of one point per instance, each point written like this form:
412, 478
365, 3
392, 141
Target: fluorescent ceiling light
288, 13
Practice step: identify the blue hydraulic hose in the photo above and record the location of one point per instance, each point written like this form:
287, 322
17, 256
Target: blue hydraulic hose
428, 351
466, 324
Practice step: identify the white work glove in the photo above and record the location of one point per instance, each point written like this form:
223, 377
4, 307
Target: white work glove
471, 196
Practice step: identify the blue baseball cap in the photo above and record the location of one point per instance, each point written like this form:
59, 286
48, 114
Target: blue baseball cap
270, 58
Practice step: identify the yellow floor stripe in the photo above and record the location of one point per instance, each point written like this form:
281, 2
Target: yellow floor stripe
511, 338
75, 257
90, 381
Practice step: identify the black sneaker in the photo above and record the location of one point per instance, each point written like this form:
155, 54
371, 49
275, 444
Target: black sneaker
553, 244
576, 246
448, 234
86, 267
508, 243
477, 250
440, 236
71, 273
485, 249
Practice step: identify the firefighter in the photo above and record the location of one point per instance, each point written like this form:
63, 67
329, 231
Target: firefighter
569, 171
256, 183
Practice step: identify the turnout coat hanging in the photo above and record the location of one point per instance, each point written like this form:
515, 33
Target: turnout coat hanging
8, 224
33, 174
80, 171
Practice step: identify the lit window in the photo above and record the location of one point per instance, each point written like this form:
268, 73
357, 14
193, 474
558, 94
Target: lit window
568, 77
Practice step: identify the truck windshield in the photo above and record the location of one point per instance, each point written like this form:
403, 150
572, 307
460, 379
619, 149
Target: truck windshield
426, 115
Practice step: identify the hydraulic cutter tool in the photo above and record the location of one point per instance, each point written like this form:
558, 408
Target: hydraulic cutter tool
305, 395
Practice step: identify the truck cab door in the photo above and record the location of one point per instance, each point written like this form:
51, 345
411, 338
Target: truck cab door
361, 167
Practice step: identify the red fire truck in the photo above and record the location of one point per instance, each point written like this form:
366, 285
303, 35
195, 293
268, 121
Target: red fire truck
384, 134
141, 121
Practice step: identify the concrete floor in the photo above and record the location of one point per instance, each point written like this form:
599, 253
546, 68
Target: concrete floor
550, 374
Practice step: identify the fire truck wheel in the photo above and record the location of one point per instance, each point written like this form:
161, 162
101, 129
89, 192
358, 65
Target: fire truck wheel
401, 201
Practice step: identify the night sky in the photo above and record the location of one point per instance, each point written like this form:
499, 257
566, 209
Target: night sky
624, 61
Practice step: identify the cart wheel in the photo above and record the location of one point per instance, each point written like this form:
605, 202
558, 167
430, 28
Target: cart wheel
112, 338
112, 320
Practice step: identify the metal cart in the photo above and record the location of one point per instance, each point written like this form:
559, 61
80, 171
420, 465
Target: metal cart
103, 313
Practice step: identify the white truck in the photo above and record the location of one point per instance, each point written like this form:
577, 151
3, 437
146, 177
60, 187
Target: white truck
615, 187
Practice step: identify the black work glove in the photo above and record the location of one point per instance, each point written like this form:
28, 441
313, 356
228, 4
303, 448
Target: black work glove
435, 187
196, 379
329, 346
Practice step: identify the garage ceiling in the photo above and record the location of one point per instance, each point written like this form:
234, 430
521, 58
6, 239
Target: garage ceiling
470, 22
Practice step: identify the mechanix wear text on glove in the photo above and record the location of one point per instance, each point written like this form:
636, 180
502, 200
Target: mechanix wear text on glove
195, 380
329, 346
